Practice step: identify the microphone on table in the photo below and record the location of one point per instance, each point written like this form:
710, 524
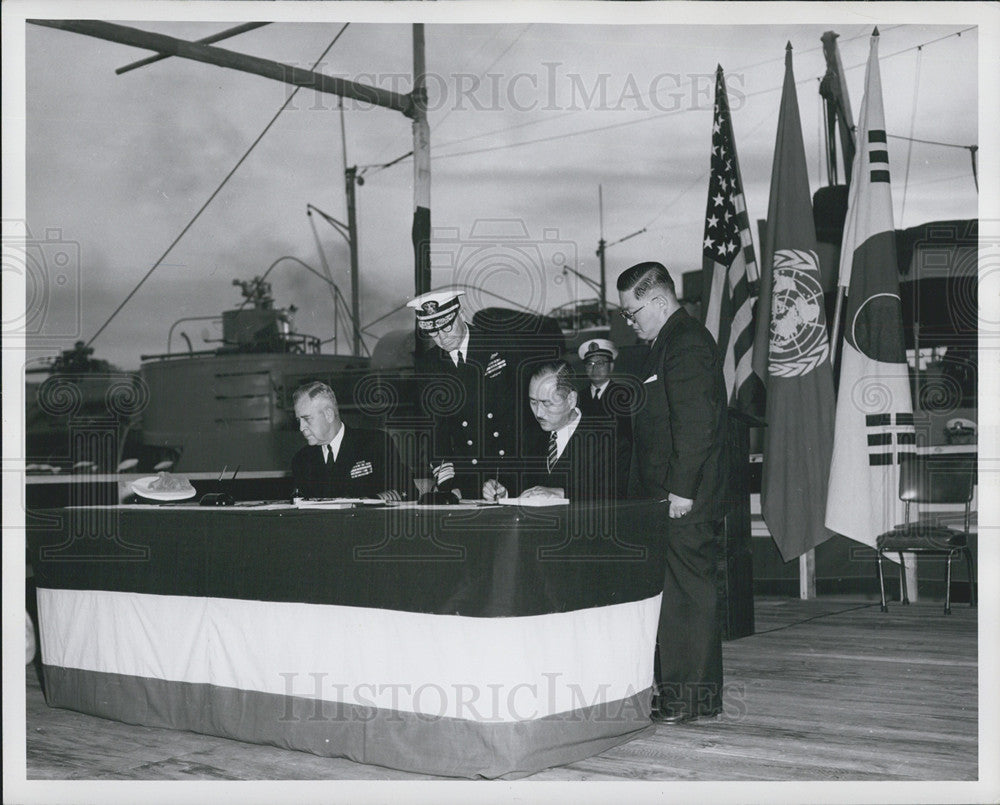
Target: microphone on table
220, 498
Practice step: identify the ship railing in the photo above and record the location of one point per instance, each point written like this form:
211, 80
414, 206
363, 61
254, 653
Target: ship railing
287, 343
175, 356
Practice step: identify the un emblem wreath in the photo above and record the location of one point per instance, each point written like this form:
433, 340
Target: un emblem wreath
798, 332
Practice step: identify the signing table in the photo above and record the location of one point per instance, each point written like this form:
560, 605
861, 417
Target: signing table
459, 641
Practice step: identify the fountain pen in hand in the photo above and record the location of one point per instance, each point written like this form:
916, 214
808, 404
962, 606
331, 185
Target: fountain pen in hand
493, 490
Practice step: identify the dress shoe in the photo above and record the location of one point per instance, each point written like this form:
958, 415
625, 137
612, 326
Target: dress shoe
670, 716
679, 715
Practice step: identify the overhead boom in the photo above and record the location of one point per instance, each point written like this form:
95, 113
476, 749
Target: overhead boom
286, 73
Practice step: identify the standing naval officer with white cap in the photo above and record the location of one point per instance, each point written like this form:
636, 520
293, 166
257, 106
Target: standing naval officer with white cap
608, 400
469, 381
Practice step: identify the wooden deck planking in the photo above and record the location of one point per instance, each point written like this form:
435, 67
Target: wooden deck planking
837, 691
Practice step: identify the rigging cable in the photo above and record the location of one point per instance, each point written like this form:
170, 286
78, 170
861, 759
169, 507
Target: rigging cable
215, 192
439, 123
930, 142
506, 50
972, 149
643, 95
338, 297
909, 146
334, 290
701, 178
578, 132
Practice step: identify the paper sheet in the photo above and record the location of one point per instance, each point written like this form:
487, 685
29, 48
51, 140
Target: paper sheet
533, 501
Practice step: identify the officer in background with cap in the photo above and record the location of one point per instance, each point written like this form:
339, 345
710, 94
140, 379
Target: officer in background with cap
469, 389
604, 399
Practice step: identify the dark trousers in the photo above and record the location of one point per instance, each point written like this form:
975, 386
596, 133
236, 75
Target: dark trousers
689, 644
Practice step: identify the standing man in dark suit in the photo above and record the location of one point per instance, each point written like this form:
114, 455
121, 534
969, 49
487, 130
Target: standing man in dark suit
604, 399
678, 459
470, 391
567, 455
342, 462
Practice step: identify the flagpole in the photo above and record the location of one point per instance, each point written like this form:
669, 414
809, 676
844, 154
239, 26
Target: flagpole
835, 332
838, 102
800, 401
807, 575
874, 427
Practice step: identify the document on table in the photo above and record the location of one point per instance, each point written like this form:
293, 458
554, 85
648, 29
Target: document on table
240, 505
533, 501
336, 503
465, 505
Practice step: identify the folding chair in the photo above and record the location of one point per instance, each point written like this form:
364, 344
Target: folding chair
947, 478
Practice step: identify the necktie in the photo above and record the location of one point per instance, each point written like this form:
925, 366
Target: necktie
461, 358
327, 452
597, 393
553, 451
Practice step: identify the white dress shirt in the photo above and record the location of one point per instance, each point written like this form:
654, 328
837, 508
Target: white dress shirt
565, 433
333, 446
599, 389
463, 349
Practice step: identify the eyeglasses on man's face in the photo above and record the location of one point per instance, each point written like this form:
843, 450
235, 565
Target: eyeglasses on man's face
444, 329
629, 315
554, 403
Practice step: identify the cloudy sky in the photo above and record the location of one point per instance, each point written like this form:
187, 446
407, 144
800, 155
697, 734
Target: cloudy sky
529, 116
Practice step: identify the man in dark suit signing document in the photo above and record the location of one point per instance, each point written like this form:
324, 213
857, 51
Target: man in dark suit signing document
567, 455
342, 462
679, 441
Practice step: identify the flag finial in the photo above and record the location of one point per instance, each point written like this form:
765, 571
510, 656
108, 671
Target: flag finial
875, 32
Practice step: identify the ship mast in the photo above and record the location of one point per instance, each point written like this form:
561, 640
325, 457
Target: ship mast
836, 111
602, 247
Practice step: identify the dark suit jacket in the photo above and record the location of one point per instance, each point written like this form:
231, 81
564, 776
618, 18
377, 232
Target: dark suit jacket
586, 470
368, 463
615, 405
680, 425
476, 408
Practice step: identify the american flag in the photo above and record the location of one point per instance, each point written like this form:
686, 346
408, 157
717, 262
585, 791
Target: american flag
729, 269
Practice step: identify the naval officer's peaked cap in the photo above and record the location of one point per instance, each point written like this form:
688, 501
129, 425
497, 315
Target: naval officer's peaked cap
597, 348
436, 306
